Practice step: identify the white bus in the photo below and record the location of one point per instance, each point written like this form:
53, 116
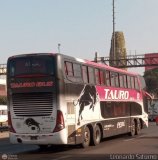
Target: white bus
3, 108
3, 115
58, 99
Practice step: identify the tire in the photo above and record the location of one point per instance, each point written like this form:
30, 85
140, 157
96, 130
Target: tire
43, 147
96, 135
138, 127
86, 137
133, 128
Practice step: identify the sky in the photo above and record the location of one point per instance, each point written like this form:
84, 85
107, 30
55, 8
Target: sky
81, 27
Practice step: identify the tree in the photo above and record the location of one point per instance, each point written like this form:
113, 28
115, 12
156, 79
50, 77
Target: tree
3, 100
151, 79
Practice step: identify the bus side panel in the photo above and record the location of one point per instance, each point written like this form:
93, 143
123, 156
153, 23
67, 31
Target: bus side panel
72, 92
114, 127
83, 108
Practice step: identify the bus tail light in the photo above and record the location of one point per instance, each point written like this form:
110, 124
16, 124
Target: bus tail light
59, 122
10, 126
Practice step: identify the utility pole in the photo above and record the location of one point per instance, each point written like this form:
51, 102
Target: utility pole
113, 48
59, 47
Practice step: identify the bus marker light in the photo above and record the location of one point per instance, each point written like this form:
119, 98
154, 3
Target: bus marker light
59, 122
79, 130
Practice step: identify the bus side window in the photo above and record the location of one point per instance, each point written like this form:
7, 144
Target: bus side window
91, 75
97, 76
121, 81
107, 78
107, 109
142, 83
125, 80
102, 77
65, 67
69, 69
85, 74
129, 81
77, 73
117, 80
132, 82
12, 68
136, 83
77, 70
114, 79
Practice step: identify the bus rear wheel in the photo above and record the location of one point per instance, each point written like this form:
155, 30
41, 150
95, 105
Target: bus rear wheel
138, 127
86, 137
43, 147
133, 128
96, 135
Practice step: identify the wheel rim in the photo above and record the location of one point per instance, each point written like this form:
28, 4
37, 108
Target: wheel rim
86, 140
97, 135
86, 136
138, 127
133, 128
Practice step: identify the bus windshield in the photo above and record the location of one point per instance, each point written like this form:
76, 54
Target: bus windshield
43, 65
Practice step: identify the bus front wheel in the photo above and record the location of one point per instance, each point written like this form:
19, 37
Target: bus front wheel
86, 137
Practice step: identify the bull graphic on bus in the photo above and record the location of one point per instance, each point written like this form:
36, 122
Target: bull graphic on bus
30, 122
88, 96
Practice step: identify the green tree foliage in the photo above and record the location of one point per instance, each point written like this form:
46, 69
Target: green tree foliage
151, 79
3, 100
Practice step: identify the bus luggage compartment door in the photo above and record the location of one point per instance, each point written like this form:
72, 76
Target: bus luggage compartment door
71, 121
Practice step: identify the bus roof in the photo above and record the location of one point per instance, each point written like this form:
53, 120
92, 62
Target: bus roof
110, 68
30, 54
101, 65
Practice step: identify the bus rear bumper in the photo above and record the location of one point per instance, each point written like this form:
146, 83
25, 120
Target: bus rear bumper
39, 139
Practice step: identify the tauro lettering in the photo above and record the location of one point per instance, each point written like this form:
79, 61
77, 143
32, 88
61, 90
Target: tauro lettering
116, 94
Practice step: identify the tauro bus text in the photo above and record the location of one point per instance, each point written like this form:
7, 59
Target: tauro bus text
116, 94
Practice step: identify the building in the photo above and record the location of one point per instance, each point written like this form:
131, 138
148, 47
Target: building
3, 91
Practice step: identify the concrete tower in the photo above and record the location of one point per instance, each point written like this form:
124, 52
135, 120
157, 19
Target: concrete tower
118, 51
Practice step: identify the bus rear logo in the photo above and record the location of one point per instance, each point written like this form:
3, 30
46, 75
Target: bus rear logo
30, 122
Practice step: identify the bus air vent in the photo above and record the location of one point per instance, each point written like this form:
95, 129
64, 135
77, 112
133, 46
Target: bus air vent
33, 104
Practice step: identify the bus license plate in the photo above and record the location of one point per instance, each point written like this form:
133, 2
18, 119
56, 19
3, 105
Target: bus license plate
34, 137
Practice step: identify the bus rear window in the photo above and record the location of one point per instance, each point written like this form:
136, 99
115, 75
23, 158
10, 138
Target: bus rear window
31, 65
